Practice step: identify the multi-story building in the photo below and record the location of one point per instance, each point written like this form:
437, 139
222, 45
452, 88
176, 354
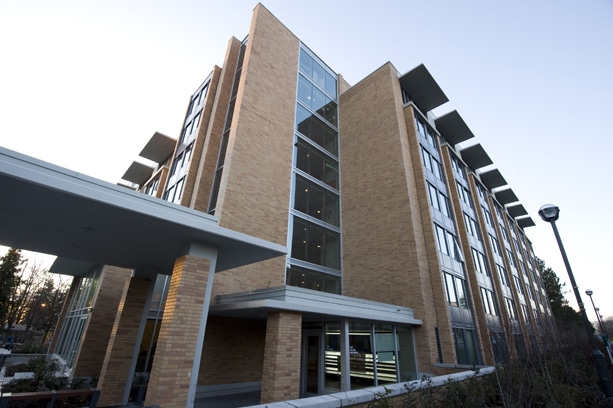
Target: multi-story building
406, 254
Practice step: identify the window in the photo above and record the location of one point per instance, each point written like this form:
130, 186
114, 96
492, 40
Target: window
471, 227
432, 164
315, 244
495, 245
489, 303
316, 201
317, 73
448, 243
315, 255
518, 285
455, 290
502, 273
465, 195
310, 279
438, 200
511, 308
480, 263
458, 168
316, 164
314, 128
465, 346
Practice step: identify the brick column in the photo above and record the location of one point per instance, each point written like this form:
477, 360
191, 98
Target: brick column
177, 358
119, 352
281, 374
100, 325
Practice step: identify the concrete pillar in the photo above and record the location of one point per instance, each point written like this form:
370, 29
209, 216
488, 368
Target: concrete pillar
281, 374
174, 374
119, 352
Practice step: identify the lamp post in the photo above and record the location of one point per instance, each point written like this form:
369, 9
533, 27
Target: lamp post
550, 213
603, 332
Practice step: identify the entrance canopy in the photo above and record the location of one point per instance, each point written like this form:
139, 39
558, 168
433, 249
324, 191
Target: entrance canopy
47, 208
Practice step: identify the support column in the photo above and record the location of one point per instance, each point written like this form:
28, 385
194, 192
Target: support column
90, 359
117, 361
281, 374
174, 374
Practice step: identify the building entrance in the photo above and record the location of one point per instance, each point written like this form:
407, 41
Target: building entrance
311, 363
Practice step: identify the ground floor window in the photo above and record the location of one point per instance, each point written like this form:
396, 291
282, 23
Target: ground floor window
348, 355
77, 315
466, 350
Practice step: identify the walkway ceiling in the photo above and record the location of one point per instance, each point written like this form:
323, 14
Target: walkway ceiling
49, 209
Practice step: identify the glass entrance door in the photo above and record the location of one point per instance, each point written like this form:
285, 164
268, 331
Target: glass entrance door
311, 363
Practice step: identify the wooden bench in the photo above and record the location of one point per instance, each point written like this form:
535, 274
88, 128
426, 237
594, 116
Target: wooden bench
92, 393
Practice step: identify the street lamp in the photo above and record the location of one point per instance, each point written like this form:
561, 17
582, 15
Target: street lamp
603, 332
550, 213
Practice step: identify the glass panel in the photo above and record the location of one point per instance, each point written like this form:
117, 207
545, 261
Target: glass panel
332, 356
305, 91
315, 244
319, 75
317, 164
451, 295
360, 356
310, 279
312, 364
462, 301
460, 346
331, 85
406, 354
385, 346
315, 129
306, 63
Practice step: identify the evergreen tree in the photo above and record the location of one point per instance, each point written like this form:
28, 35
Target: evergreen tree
562, 312
10, 267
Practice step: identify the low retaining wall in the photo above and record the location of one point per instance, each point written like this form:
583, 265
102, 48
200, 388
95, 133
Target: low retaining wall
361, 398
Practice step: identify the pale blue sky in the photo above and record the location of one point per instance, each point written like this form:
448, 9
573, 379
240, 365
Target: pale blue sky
84, 84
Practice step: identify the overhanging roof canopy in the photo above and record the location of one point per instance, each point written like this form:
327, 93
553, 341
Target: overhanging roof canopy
525, 222
516, 210
46, 208
158, 148
423, 89
138, 173
313, 305
475, 157
453, 128
492, 179
506, 196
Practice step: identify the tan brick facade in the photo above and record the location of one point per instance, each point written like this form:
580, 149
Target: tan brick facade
116, 366
384, 199
178, 339
96, 337
255, 191
233, 351
281, 376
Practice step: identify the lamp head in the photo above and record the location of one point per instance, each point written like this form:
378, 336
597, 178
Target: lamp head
549, 212
589, 292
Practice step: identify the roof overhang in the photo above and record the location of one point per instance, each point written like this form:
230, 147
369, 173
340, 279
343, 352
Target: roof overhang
525, 222
312, 304
423, 89
517, 210
506, 196
138, 173
453, 128
49, 209
475, 157
492, 179
158, 148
